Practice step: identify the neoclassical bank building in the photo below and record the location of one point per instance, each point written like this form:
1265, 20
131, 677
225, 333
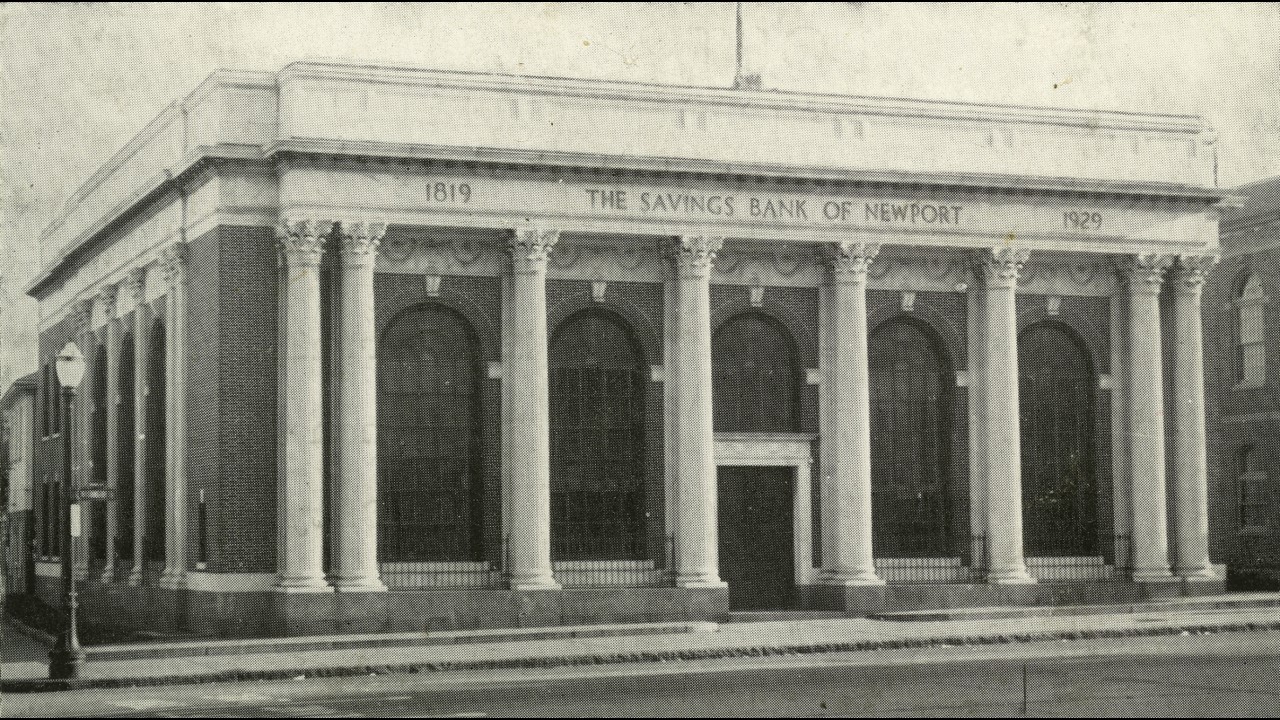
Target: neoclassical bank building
382, 348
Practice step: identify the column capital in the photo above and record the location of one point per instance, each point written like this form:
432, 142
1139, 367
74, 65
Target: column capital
301, 242
108, 296
1145, 271
360, 239
850, 259
82, 312
1192, 271
173, 261
136, 284
1000, 266
694, 254
530, 247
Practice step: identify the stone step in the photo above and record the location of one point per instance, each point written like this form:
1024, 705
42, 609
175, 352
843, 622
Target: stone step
741, 616
211, 647
1235, 601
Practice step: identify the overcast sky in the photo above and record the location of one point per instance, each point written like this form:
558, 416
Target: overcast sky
78, 81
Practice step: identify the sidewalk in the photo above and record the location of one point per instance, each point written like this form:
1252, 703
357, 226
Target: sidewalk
344, 655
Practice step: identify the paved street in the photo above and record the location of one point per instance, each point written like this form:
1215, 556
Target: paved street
1232, 674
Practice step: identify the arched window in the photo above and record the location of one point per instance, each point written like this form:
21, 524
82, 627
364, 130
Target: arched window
911, 400
429, 491
98, 449
1251, 347
597, 399
155, 453
1055, 394
124, 451
756, 376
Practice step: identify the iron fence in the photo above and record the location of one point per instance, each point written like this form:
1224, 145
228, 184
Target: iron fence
1069, 568
923, 570
402, 575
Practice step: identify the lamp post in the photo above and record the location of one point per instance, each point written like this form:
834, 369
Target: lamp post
66, 657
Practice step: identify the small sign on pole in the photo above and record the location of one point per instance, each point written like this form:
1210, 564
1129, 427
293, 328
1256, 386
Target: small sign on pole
75, 520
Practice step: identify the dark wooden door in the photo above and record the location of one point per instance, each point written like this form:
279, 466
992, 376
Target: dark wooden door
757, 537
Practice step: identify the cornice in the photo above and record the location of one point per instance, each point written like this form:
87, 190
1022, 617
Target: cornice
405, 75
283, 151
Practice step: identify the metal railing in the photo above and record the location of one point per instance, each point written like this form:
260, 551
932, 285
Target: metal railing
431, 575
1069, 568
607, 573
924, 570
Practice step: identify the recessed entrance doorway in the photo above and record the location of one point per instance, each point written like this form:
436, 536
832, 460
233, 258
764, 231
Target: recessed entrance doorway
757, 536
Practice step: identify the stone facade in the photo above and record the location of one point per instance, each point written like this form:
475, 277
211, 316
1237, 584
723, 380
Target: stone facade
854, 315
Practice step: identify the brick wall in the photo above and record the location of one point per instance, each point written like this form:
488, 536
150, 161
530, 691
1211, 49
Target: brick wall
242, 513
1236, 416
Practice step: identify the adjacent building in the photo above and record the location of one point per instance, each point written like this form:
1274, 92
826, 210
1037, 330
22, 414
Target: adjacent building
382, 348
1243, 329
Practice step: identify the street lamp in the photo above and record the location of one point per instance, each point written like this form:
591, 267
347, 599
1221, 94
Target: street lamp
66, 657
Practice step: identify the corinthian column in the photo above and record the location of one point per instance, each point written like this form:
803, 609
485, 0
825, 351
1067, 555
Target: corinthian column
173, 260
696, 537
355, 542
1000, 433
301, 499
530, 451
136, 285
846, 497
1190, 469
81, 454
108, 297
1146, 418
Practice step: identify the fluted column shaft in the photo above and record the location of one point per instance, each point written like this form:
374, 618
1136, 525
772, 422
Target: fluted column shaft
79, 424
1001, 438
1146, 418
301, 507
526, 379
174, 263
846, 501
355, 556
1191, 488
697, 534
108, 298
136, 285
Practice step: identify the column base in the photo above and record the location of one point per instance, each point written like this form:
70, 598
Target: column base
545, 585
694, 582
1202, 573
135, 577
358, 585
108, 575
172, 580
855, 578
1154, 575
544, 580
1010, 576
299, 585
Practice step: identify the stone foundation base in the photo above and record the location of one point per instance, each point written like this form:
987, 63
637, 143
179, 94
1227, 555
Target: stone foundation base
271, 614
864, 600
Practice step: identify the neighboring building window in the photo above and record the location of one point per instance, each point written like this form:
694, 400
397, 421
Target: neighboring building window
46, 406
1251, 349
1255, 497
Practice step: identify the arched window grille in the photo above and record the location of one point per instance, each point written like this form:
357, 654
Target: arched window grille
1056, 398
429, 491
755, 376
911, 399
598, 385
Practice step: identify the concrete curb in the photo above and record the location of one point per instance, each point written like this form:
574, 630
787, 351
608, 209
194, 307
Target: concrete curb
29, 686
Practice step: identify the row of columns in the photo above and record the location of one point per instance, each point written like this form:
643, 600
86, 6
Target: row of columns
173, 265
847, 537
